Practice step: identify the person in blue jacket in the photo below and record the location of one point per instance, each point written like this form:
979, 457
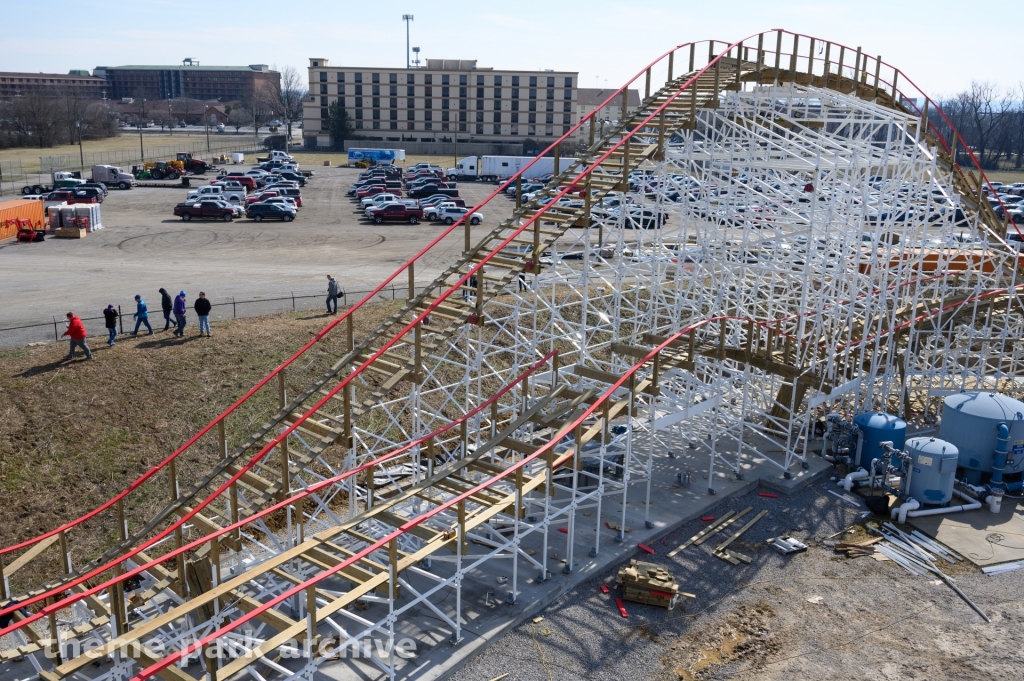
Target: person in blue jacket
141, 316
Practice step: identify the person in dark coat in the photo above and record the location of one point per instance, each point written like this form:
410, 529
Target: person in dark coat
180, 309
202, 308
167, 305
110, 319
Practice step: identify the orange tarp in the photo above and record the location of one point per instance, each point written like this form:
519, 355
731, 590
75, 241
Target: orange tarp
26, 209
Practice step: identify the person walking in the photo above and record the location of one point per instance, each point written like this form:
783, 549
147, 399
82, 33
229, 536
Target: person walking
333, 291
141, 316
76, 331
167, 305
202, 308
110, 319
180, 308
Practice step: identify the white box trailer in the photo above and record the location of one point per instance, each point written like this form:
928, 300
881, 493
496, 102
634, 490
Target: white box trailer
500, 168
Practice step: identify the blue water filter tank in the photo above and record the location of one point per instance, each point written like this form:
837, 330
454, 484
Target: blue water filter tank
970, 421
933, 473
877, 427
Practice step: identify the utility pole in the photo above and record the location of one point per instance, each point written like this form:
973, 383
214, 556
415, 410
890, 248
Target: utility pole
142, 151
406, 18
81, 154
206, 117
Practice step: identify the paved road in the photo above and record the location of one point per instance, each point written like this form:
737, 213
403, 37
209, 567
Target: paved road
143, 247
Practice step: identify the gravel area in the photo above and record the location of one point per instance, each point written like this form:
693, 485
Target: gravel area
814, 615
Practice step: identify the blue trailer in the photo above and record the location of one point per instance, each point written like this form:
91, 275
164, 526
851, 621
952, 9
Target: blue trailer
375, 156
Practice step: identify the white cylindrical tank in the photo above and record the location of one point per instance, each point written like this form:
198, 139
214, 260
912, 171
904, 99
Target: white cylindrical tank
933, 470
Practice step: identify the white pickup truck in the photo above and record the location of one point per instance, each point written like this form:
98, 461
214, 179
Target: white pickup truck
217, 192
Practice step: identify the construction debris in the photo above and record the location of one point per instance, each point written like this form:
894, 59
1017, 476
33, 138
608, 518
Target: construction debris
710, 530
787, 545
993, 570
735, 557
650, 584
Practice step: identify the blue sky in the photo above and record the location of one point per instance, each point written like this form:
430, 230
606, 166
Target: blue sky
937, 43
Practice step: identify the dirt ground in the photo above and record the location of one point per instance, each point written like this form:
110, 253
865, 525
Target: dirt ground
814, 615
144, 247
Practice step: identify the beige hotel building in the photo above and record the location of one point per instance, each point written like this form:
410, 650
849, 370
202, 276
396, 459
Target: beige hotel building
434, 102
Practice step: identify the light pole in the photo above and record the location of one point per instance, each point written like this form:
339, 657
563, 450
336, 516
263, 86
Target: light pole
406, 18
142, 151
206, 118
81, 154
170, 117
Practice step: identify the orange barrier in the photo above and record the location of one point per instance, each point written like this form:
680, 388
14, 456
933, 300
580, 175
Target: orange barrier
933, 261
26, 210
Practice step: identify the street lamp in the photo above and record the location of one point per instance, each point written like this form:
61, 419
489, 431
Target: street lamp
170, 117
142, 151
81, 154
406, 18
206, 117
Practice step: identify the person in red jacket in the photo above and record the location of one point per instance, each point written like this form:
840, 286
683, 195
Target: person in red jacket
76, 331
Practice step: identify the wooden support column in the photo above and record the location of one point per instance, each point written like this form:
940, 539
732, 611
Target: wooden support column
346, 400
924, 119
718, 83
65, 556
625, 164
233, 492
856, 71
721, 338
417, 335
750, 337
554, 371
653, 389
810, 60
878, 72
739, 58
311, 614
122, 525
828, 61
3, 580
464, 439
558, 159
760, 55
691, 340
349, 332
519, 178
659, 155
480, 295
54, 636
778, 54
839, 69
625, 106
671, 63
792, 58
467, 234
693, 54
412, 280
371, 487
461, 509
222, 440
647, 86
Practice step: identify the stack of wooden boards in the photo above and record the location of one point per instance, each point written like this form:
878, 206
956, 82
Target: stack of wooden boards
864, 548
722, 550
650, 584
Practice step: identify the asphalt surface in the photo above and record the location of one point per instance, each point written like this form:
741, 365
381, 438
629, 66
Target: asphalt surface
143, 247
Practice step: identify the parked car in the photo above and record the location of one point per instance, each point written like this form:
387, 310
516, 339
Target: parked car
241, 178
293, 176
83, 190
261, 196
281, 200
378, 199
431, 211
431, 190
207, 210
68, 196
270, 211
395, 212
451, 214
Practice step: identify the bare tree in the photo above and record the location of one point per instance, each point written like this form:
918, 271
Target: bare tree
37, 116
290, 96
238, 117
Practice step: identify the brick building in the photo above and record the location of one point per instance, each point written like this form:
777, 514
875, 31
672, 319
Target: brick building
222, 83
436, 101
20, 84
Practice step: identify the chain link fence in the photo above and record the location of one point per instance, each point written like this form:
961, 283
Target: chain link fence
125, 157
48, 331
11, 173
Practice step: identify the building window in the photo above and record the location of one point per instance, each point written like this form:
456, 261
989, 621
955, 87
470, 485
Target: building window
497, 130
497, 117
444, 79
515, 82
533, 106
323, 89
565, 129
323, 101
480, 117
428, 103
551, 81
359, 77
497, 81
479, 104
410, 115
568, 94
393, 102
428, 115
462, 80
462, 104
393, 78
359, 125
376, 114
341, 89
323, 114
515, 117
549, 131
515, 105
393, 114
394, 125
533, 81
445, 104
480, 92
428, 91
376, 102
549, 119
410, 103
479, 129
359, 112
359, 102
550, 106
462, 92
444, 127
410, 126
359, 89
341, 76
479, 80
533, 118
533, 93
323, 76
376, 89
444, 116
393, 91
497, 93
462, 116
551, 94
462, 127
445, 92
565, 118
531, 130
567, 106
514, 130
428, 79
376, 125
568, 82
410, 91
375, 78
497, 104
428, 126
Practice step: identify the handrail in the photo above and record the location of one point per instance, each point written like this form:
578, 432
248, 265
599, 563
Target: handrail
395, 339
319, 336
89, 591
299, 588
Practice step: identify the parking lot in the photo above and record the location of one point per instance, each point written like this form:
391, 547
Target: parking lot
143, 247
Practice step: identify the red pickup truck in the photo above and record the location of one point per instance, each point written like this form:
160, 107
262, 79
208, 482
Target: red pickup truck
395, 212
208, 210
69, 196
